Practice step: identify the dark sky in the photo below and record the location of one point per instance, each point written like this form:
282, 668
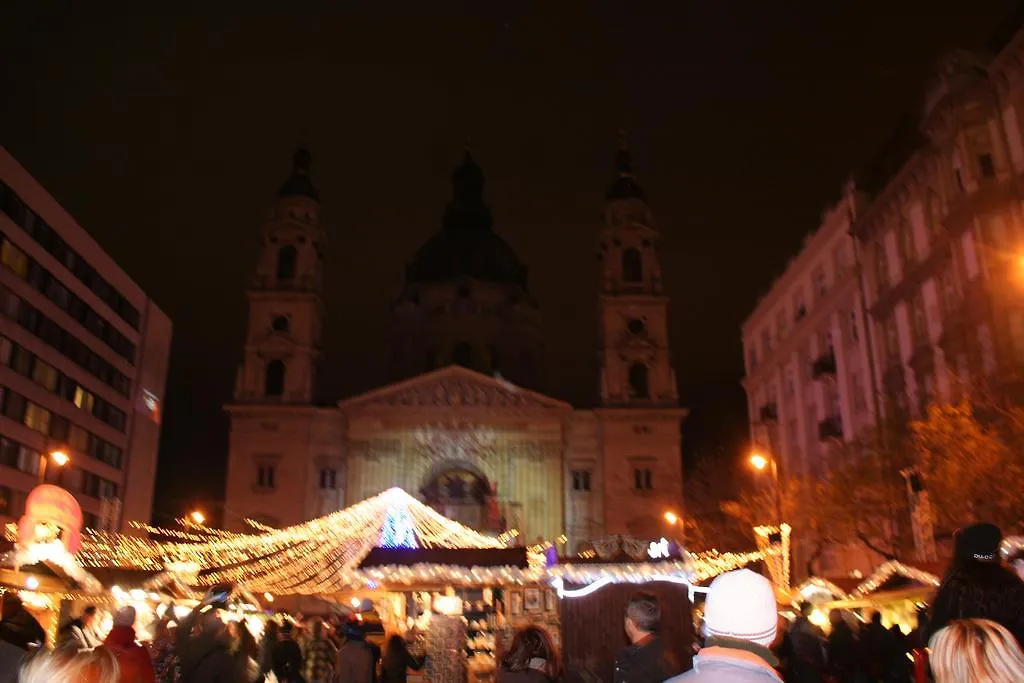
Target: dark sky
166, 134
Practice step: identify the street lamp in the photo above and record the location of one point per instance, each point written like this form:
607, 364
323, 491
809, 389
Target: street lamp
760, 462
671, 517
58, 457
197, 516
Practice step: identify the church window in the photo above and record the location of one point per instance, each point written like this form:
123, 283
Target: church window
265, 476
636, 326
462, 354
274, 380
279, 323
328, 478
581, 480
632, 266
287, 257
638, 381
643, 479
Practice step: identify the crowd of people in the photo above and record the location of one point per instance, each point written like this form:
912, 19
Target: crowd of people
971, 633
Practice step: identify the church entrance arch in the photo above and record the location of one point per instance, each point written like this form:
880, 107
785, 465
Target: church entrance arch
461, 491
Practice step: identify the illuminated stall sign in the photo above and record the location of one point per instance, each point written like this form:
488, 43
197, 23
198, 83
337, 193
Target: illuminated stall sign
51, 514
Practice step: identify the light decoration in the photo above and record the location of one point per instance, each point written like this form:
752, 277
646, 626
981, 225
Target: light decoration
886, 570
778, 564
398, 531
817, 585
1012, 544
53, 554
658, 549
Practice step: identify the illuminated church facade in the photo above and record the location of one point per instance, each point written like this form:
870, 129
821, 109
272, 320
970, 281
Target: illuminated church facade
461, 426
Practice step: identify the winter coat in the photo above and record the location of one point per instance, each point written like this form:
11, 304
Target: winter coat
726, 665
11, 659
204, 657
287, 661
319, 656
528, 676
21, 629
76, 636
804, 651
843, 653
395, 668
356, 663
132, 659
645, 662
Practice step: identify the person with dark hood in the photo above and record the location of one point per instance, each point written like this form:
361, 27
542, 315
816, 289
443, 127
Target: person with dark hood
646, 659
531, 658
17, 626
287, 656
398, 660
803, 649
204, 646
356, 661
842, 650
977, 585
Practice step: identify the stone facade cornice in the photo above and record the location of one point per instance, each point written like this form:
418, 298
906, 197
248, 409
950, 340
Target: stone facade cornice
277, 410
632, 414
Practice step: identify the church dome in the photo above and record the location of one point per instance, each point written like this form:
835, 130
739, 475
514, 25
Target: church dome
466, 245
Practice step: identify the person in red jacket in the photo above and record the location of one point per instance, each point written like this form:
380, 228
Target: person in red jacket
132, 658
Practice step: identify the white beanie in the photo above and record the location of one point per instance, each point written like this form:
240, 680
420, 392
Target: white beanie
741, 605
125, 617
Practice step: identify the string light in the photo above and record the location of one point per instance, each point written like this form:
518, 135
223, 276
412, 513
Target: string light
778, 564
886, 570
398, 531
1012, 545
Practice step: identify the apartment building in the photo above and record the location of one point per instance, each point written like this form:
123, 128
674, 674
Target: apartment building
83, 362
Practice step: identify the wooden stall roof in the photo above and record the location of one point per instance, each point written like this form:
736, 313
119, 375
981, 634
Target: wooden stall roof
462, 557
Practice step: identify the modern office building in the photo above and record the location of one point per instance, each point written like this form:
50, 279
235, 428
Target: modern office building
83, 363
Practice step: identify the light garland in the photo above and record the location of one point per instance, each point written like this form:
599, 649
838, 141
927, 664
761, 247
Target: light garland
778, 565
822, 584
1011, 545
886, 570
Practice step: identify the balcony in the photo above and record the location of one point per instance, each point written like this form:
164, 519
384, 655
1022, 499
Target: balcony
830, 428
769, 412
824, 366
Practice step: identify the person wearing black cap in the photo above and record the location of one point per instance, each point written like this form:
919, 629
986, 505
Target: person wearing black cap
977, 585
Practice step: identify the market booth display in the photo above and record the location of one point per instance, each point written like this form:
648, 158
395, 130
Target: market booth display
457, 594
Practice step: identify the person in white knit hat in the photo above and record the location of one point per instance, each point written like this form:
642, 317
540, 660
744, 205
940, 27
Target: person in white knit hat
740, 623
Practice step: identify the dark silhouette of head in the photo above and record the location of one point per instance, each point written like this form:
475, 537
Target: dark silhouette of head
532, 649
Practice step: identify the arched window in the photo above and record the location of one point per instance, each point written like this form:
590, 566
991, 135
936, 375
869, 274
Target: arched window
286, 259
632, 266
462, 354
273, 384
638, 384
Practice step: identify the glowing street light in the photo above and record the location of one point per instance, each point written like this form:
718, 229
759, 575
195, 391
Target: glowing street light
671, 517
761, 462
58, 457
197, 516
758, 461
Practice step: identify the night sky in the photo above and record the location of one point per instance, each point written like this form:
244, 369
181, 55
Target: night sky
166, 136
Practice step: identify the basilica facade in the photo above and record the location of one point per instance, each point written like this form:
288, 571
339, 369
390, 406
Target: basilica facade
461, 425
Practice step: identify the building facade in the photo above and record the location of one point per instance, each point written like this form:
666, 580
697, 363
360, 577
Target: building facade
912, 289
83, 362
463, 427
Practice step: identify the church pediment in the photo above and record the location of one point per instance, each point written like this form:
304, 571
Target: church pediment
453, 387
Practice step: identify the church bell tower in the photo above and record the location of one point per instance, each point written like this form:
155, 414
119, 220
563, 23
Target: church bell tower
282, 341
640, 418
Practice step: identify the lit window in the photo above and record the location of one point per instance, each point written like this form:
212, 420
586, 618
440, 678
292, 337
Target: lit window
37, 418
14, 258
45, 375
84, 399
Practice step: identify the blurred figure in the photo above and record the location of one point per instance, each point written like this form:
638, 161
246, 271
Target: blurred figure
287, 656
245, 651
92, 666
356, 661
398, 660
166, 668
969, 650
530, 659
740, 624
203, 646
132, 658
1015, 561
319, 655
645, 660
17, 626
804, 649
78, 634
977, 586
842, 650
267, 644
